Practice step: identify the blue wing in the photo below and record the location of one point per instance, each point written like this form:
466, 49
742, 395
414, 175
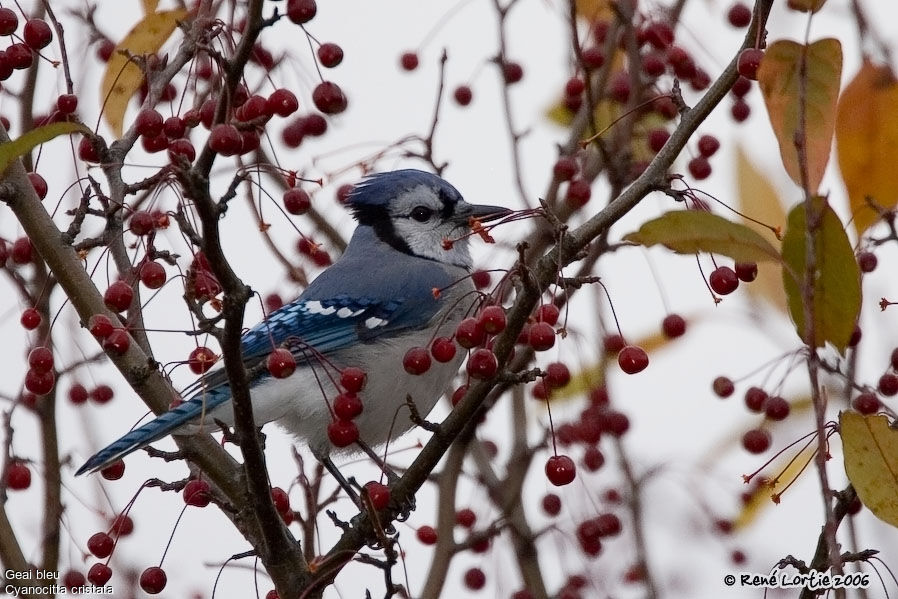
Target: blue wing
308, 327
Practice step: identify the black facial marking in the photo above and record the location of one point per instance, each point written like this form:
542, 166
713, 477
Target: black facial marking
378, 219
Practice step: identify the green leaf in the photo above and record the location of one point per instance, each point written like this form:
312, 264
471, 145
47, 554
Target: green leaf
25, 143
691, 231
871, 462
793, 76
837, 282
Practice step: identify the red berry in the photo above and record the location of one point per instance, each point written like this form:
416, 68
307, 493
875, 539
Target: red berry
20, 56
301, 11
347, 406
142, 223
574, 86
866, 260
78, 394
280, 499
888, 384
99, 574
658, 34
749, 61
409, 61
699, 168
777, 408
746, 271
197, 493
866, 403
708, 145
113, 471
281, 363
723, 280
593, 58
152, 274
118, 296
37, 33
152, 580
465, 517
492, 319
427, 535
31, 319
512, 72
565, 168
330, 54
557, 375
560, 470
379, 494
723, 387
282, 102
329, 98
101, 545
9, 22
673, 326
148, 123
741, 87
547, 313
657, 138
342, 433
352, 379
39, 184
102, 394
100, 326
459, 394
739, 15
72, 579
122, 525
117, 342
632, 359
475, 579
39, 383
755, 399
416, 360
463, 95
22, 251
757, 440
578, 193
482, 364
40, 359
443, 349
174, 127
297, 201
740, 110
18, 476
179, 149
593, 458
226, 140
551, 504
469, 333
541, 336
653, 64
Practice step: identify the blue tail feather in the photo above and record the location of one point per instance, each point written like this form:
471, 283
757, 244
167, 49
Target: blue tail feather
156, 429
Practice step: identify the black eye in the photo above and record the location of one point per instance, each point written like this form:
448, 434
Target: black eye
421, 213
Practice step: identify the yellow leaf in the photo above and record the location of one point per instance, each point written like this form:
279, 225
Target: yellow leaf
123, 77
26, 142
810, 6
691, 231
836, 277
871, 462
866, 138
149, 6
760, 200
784, 66
594, 10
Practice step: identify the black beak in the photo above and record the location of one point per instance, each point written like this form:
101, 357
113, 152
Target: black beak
485, 213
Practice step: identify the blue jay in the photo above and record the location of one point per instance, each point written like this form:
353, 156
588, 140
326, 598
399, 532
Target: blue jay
365, 311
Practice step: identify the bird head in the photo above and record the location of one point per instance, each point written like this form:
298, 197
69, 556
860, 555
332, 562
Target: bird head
416, 212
